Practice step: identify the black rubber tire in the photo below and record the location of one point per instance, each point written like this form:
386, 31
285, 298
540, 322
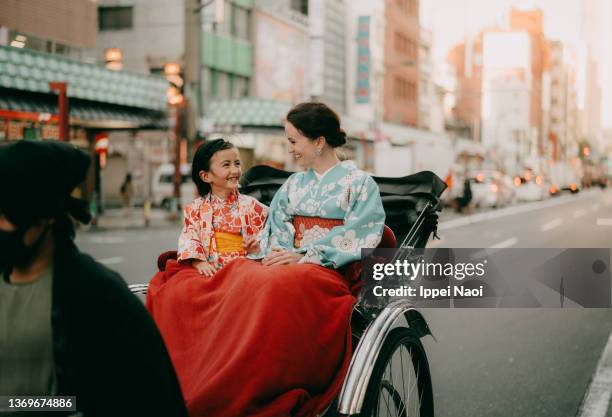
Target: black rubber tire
398, 337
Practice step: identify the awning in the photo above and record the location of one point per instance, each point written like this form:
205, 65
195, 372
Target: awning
248, 111
83, 113
26, 70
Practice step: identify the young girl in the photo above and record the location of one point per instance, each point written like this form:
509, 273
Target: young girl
221, 224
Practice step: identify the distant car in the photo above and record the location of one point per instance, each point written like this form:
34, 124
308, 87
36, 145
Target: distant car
162, 188
491, 189
530, 188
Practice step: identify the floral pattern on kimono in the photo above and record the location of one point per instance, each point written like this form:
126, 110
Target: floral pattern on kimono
345, 193
237, 214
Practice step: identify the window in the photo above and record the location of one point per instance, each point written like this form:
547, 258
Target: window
404, 89
407, 6
300, 6
114, 18
241, 27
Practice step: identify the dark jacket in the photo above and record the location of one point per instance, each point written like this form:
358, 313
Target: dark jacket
107, 349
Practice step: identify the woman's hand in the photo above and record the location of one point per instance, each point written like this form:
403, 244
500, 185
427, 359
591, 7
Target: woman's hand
281, 257
204, 268
251, 244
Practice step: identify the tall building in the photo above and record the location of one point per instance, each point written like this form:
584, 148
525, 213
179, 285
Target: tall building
466, 61
149, 33
64, 28
506, 98
327, 21
563, 133
383, 44
499, 75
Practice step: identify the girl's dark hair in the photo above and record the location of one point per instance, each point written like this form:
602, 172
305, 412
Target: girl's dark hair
314, 119
201, 162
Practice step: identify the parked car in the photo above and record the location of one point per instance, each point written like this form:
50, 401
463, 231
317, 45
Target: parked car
563, 177
162, 188
491, 189
530, 187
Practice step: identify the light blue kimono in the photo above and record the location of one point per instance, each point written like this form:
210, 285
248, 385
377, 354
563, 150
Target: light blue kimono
345, 193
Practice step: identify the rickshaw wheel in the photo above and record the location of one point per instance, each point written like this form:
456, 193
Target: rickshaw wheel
400, 385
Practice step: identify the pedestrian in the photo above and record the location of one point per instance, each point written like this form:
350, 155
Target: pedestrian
461, 203
68, 325
127, 193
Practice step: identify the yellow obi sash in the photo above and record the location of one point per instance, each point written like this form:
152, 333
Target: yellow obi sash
229, 242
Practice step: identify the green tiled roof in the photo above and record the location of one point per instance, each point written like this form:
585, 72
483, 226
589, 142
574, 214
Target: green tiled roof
32, 71
248, 112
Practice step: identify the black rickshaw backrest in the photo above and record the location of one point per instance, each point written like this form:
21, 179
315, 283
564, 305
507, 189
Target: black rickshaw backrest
403, 198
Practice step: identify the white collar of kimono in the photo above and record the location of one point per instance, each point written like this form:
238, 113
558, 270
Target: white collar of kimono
320, 176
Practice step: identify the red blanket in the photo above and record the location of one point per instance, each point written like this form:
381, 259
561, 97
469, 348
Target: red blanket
255, 340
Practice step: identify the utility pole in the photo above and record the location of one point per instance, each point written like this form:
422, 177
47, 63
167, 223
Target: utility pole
193, 62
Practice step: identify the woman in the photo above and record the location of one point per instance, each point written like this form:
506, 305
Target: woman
273, 338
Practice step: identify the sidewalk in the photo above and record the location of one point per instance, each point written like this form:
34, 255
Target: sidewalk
114, 219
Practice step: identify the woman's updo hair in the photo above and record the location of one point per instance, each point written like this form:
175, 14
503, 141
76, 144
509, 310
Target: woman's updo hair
201, 162
314, 120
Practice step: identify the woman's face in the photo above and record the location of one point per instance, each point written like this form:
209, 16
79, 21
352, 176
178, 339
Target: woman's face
300, 147
225, 171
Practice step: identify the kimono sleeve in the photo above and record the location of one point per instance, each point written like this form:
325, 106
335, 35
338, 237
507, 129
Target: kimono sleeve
190, 240
279, 230
363, 227
258, 213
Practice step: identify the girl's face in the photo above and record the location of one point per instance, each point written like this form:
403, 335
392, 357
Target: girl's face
225, 171
300, 147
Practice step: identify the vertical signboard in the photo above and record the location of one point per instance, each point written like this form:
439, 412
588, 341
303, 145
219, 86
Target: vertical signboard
362, 90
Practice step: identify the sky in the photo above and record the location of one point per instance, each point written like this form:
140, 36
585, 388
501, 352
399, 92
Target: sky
450, 20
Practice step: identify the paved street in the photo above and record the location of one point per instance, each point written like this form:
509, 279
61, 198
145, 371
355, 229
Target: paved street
485, 362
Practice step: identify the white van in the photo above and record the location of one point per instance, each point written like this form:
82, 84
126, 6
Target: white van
162, 188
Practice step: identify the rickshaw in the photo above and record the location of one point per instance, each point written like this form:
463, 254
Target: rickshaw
389, 373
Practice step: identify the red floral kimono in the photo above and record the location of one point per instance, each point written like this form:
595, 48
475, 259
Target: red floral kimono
211, 221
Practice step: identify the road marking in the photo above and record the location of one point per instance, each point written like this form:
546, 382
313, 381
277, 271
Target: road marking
604, 222
111, 261
483, 253
505, 243
111, 240
597, 397
509, 211
579, 213
595, 207
551, 225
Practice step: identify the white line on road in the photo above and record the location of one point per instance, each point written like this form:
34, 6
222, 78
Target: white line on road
505, 243
551, 225
604, 222
106, 239
522, 208
598, 394
111, 261
579, 213
495, 248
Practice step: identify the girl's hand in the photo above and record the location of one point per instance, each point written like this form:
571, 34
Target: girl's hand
281, 257
251, 244
204, 268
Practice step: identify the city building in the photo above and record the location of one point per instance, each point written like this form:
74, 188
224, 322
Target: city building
563, 127
499, 91
327, 63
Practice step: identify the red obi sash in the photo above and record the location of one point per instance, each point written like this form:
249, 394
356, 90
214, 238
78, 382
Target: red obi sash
309, 229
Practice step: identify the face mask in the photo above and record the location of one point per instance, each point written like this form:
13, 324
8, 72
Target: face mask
14, 252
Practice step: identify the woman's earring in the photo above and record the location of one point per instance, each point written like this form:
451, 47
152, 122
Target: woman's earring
318, 152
